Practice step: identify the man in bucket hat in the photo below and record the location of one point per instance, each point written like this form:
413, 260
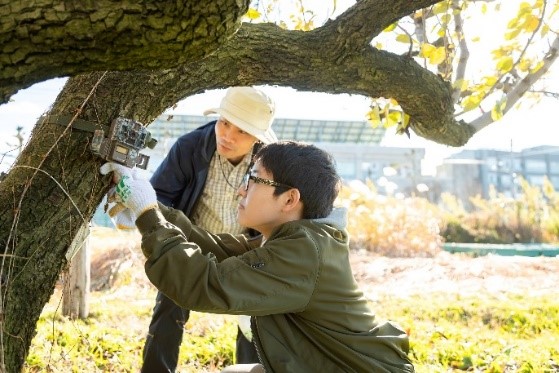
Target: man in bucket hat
200, 176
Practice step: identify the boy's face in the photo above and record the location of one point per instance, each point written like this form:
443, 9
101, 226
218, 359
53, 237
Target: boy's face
232, 142
259, 208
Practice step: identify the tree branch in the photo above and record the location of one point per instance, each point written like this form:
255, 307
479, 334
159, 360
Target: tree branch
39, 42
521, 87
362, 22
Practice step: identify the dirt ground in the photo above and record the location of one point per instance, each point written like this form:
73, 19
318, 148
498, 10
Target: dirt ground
456, 273
378, 275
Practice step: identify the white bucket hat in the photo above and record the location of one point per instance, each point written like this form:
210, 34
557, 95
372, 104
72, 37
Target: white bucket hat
249, 109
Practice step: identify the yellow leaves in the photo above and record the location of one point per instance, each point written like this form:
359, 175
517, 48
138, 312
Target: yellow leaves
524, 65
388, 113
441, 7
512, 34
461, 84
435, 55
538, 66
373, 116
403, 38
505, 64
471, 102
531, 23
392, 27
253, 14
498, 108
555, 9
526, 21
489, 80
393, 118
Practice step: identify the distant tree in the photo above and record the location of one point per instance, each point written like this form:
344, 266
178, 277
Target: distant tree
137, 58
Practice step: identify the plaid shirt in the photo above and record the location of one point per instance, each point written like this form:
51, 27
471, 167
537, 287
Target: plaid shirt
216, 211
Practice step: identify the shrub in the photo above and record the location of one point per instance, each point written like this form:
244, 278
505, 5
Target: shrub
532, 216
414, 227
389, 226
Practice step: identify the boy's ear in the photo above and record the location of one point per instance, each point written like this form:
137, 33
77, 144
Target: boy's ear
292, 199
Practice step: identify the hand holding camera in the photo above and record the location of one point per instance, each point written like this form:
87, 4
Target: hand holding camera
131, 196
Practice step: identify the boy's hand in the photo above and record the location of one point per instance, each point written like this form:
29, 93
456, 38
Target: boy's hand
136, 194
124, 218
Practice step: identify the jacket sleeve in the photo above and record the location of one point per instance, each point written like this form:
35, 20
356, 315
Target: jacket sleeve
174, 173
226, 245
270, 279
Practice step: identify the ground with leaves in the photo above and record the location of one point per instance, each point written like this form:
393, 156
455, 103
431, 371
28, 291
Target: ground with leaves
456, 273
378, 275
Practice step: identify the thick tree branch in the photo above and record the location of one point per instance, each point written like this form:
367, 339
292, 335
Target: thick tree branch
266, 54
43, 40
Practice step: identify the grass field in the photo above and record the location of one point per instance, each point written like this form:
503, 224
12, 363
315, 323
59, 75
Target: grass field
480, 333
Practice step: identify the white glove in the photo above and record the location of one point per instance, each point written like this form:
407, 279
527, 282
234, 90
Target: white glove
136, 194
122, 217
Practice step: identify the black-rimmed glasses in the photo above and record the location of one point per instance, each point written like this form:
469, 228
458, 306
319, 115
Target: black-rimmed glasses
260, 180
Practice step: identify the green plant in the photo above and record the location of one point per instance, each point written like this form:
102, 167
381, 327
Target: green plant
482, 333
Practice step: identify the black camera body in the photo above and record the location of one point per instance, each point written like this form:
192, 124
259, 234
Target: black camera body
123, 144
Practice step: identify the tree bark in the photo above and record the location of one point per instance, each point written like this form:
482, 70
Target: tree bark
40, 40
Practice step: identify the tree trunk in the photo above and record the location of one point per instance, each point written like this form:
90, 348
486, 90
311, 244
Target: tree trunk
51, 191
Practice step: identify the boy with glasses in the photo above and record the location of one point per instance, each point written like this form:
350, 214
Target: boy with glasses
295, 280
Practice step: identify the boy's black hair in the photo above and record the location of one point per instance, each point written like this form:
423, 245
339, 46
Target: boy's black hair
309, 169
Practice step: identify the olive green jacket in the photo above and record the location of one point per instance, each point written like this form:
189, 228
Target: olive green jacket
309, 314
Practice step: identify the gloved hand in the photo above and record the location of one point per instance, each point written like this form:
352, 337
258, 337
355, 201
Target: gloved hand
131, 191
121, 216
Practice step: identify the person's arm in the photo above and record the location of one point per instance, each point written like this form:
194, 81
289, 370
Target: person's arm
229, 245
265, 280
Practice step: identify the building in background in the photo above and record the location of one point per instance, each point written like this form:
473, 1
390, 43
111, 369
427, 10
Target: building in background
473, 172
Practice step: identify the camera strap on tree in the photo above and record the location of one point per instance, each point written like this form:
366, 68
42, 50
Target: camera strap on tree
65, 120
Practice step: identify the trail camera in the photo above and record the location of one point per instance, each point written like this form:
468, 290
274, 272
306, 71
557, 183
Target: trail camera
123, 144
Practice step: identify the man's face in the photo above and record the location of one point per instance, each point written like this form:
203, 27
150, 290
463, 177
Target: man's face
259, 208
232, 142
